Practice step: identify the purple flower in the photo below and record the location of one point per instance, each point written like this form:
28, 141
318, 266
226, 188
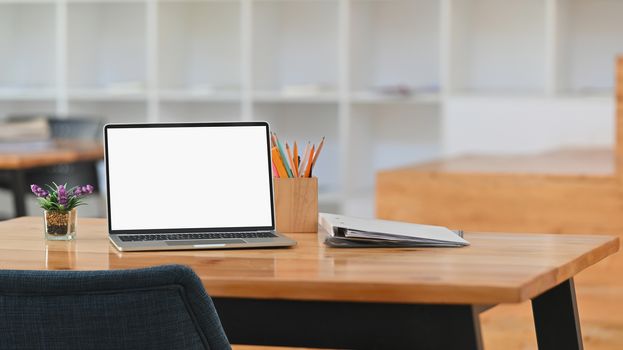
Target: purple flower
38, 191
62, 195
83, 190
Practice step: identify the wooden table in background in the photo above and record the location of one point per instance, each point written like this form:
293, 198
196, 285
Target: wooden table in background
17, 158
315, 296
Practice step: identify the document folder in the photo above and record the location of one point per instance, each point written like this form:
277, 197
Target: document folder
346, 231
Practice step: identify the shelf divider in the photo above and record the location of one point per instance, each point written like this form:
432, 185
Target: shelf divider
246, 50
151, 56
62, 106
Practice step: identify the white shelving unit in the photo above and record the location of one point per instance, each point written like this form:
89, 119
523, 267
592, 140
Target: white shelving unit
199, 50
589, 36
106, 49
27, 51
388, 82
490, 39
394, 43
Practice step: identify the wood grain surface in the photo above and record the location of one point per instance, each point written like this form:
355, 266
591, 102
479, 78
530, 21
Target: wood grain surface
57, 152
496, 268
619, 119
296, 204
502, 202
593, 162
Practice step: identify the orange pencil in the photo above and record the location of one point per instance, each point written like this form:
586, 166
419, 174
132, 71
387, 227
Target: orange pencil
278, 163
309, 162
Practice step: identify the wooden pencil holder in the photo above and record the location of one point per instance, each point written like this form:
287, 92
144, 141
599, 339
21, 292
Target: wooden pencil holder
296, 204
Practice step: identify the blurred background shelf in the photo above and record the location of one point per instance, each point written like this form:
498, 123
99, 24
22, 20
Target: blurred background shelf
27, 94
205, 95
105, 45
107, 94
388, 82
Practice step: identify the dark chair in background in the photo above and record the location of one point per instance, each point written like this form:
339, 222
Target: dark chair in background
79, 173
74, 174
164, 307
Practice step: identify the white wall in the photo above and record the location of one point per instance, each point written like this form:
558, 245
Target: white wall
528, 124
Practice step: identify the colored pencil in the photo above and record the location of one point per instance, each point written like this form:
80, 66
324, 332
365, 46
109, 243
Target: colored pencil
275, 172
303, 162
290, 160
318, 152
278, 163
283, 157
295, 160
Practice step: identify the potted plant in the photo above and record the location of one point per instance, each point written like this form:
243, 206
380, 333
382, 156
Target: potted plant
59, 205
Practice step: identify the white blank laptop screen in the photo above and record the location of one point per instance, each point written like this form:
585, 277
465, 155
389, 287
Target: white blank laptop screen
188, 177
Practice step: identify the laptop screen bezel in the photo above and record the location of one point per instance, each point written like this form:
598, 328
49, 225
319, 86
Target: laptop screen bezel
186, 125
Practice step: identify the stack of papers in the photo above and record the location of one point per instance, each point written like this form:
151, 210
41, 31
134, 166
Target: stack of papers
353, 232
36, 129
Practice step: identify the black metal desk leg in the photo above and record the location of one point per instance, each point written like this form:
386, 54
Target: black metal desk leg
556, 318
18, 181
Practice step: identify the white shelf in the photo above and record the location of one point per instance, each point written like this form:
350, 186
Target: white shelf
388, 82
199, 45
497, 45
22, 2
29, 94
366, 97
395, 43
590, 36
199, 96
294, 43
27, 46
111, 111
197, 1
111, 94
302, 97
106, 45
198, 111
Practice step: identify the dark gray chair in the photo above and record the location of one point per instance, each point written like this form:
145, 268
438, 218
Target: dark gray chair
70, 128
79, 173
164, 307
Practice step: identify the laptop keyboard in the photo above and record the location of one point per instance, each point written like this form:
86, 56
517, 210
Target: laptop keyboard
194, 236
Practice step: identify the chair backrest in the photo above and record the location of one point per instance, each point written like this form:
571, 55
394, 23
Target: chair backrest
71, 128
75, 128
164, 307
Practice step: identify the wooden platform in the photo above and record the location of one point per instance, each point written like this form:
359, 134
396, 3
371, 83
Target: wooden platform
563, 191
566, 191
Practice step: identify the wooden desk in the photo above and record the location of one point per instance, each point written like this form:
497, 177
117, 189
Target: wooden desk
16, 159
316, 296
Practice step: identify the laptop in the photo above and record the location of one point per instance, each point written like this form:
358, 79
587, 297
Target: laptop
190, 186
